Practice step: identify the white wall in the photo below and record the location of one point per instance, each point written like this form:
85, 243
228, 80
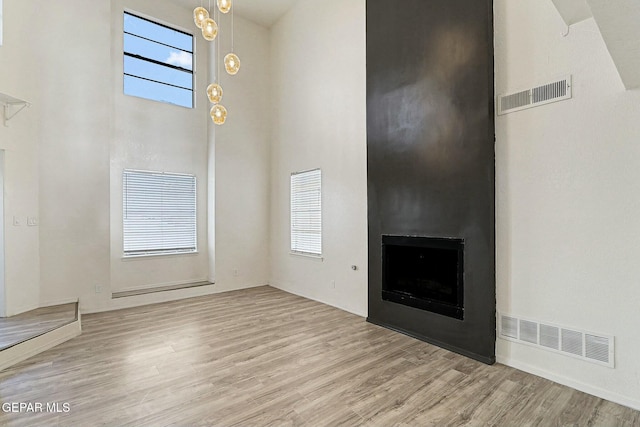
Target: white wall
155, 136
568, 194
567, 175
1, 32
318, 110
162, 137
20, 75
64, 157
239, 155
72, 112
2, 298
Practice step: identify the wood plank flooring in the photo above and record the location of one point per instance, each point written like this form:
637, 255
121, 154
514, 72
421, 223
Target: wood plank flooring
263, 357
23, 326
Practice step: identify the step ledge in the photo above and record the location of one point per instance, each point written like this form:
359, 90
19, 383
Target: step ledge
19, 352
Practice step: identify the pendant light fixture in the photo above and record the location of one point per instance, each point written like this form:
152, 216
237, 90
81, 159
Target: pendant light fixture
224, 6
199, 15
218, 114
214, 93
209, 29
231, 60
206, 21
232, 63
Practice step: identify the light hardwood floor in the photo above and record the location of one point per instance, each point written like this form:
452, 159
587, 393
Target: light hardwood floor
19, 328
262, 357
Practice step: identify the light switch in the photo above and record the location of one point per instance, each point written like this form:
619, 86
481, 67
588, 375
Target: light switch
16, 221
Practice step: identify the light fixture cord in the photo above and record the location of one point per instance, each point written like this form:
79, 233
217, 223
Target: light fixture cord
232, 30
218, 49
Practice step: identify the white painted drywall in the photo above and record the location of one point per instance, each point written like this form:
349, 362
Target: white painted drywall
567, 175
64, 158
618, 24
2, 299
239, 156
21, 76
73, 114
568, 194
318, 113
156, 136
1, 31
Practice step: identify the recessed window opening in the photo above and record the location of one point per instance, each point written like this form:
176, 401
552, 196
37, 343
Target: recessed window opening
159, 213
158, 61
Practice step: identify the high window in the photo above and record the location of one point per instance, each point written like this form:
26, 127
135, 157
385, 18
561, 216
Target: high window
159, 213
158, 62
306, 212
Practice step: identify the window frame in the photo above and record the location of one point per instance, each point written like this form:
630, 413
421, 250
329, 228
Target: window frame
153, 252
149, 60
297, 204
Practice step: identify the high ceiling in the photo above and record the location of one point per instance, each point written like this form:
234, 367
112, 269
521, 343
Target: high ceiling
263, 12
618, 24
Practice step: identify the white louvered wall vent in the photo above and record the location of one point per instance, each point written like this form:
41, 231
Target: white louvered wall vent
596, 348
557, 90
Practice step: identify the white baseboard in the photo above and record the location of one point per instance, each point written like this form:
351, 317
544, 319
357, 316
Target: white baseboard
19, 310
569, 382
20, 352
53, 303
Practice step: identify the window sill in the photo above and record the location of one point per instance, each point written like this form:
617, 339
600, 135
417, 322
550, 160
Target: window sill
144, 291
147, 256
306, 255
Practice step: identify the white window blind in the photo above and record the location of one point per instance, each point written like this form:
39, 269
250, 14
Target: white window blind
159, 213
306, 212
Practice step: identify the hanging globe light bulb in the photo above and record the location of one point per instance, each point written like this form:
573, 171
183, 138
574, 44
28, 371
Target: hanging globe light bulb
214, 92
218, 114
199, 16
232, 63
224, 6
209, 29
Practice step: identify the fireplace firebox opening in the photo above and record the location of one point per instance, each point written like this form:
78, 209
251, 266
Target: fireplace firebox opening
425, 273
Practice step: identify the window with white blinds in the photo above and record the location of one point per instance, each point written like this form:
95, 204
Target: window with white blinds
159, 213
306, 212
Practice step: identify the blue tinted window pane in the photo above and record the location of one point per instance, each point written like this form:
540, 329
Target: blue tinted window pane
159, 52
157, 92
159, 73
148, 46
159, 33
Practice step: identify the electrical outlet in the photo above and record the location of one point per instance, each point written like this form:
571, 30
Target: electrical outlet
32, 221
98, 289
236, 272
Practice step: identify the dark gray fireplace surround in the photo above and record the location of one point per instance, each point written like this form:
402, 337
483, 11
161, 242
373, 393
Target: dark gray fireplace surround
430, 146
